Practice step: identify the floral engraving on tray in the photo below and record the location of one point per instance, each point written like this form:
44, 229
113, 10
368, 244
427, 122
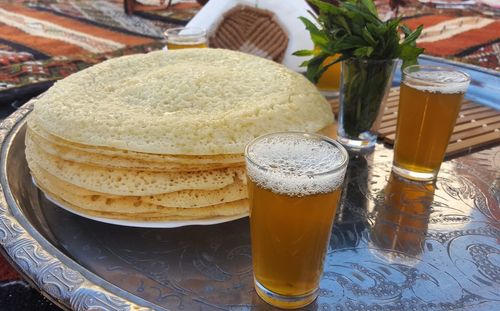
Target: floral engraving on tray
30, 257
58, 281
9, 230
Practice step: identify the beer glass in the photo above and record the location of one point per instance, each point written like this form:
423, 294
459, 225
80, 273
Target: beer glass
185, 38
294, 182
429, 104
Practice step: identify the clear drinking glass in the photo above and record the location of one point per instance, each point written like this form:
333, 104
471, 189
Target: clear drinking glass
364, 86
185, 38
294, 182
429, 103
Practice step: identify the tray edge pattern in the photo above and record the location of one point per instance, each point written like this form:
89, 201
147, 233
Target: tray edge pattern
61, 282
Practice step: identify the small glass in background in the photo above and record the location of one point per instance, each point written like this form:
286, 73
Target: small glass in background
186, 38
429, 103
295, 184
329, 82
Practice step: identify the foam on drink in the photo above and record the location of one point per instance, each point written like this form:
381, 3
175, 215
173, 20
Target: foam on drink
439, 81
296, 164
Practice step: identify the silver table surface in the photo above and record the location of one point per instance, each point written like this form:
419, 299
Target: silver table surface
450, 261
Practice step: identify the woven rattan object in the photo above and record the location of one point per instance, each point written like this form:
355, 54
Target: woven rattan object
251, 30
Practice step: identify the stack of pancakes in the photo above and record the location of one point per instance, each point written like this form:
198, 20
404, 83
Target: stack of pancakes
161, 136
122, 184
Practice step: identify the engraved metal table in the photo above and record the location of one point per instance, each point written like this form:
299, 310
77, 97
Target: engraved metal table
395, 245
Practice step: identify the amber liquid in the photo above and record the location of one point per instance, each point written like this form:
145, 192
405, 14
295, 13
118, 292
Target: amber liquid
401, 223
289, 238
330, 80
185, 45
425, 123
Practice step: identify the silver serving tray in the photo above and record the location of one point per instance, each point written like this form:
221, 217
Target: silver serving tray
22, 229
86, 265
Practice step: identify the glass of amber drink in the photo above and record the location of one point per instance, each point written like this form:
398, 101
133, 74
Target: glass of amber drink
294, 182
429, 103
185, 38
329, 82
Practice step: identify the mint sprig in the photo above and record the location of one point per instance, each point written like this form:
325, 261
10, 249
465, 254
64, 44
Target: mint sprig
354, 30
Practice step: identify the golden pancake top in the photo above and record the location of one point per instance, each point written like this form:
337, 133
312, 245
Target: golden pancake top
185, 102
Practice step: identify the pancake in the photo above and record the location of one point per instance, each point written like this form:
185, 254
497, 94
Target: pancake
241, 206
141, 216
117, 161
181, 160
179, 199
134, 206
183, 102
130, 182
199, 198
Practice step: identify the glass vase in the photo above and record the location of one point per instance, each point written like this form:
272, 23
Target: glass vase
363, 88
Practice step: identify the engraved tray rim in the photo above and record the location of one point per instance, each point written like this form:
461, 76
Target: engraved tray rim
57, 276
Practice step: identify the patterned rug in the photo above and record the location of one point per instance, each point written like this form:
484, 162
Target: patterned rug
467, 33
471, 39
46, 40
43, 41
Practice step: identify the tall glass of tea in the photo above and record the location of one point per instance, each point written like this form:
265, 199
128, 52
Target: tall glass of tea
185, 38
295, 183
429, 103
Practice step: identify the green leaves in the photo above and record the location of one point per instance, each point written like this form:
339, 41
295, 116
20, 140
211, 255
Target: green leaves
314, 68
363, 52
354, 30
409, 55
303, 53
363, 91
318, 37
325, 6
408, 49
367, 36
370, 6
411, 38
